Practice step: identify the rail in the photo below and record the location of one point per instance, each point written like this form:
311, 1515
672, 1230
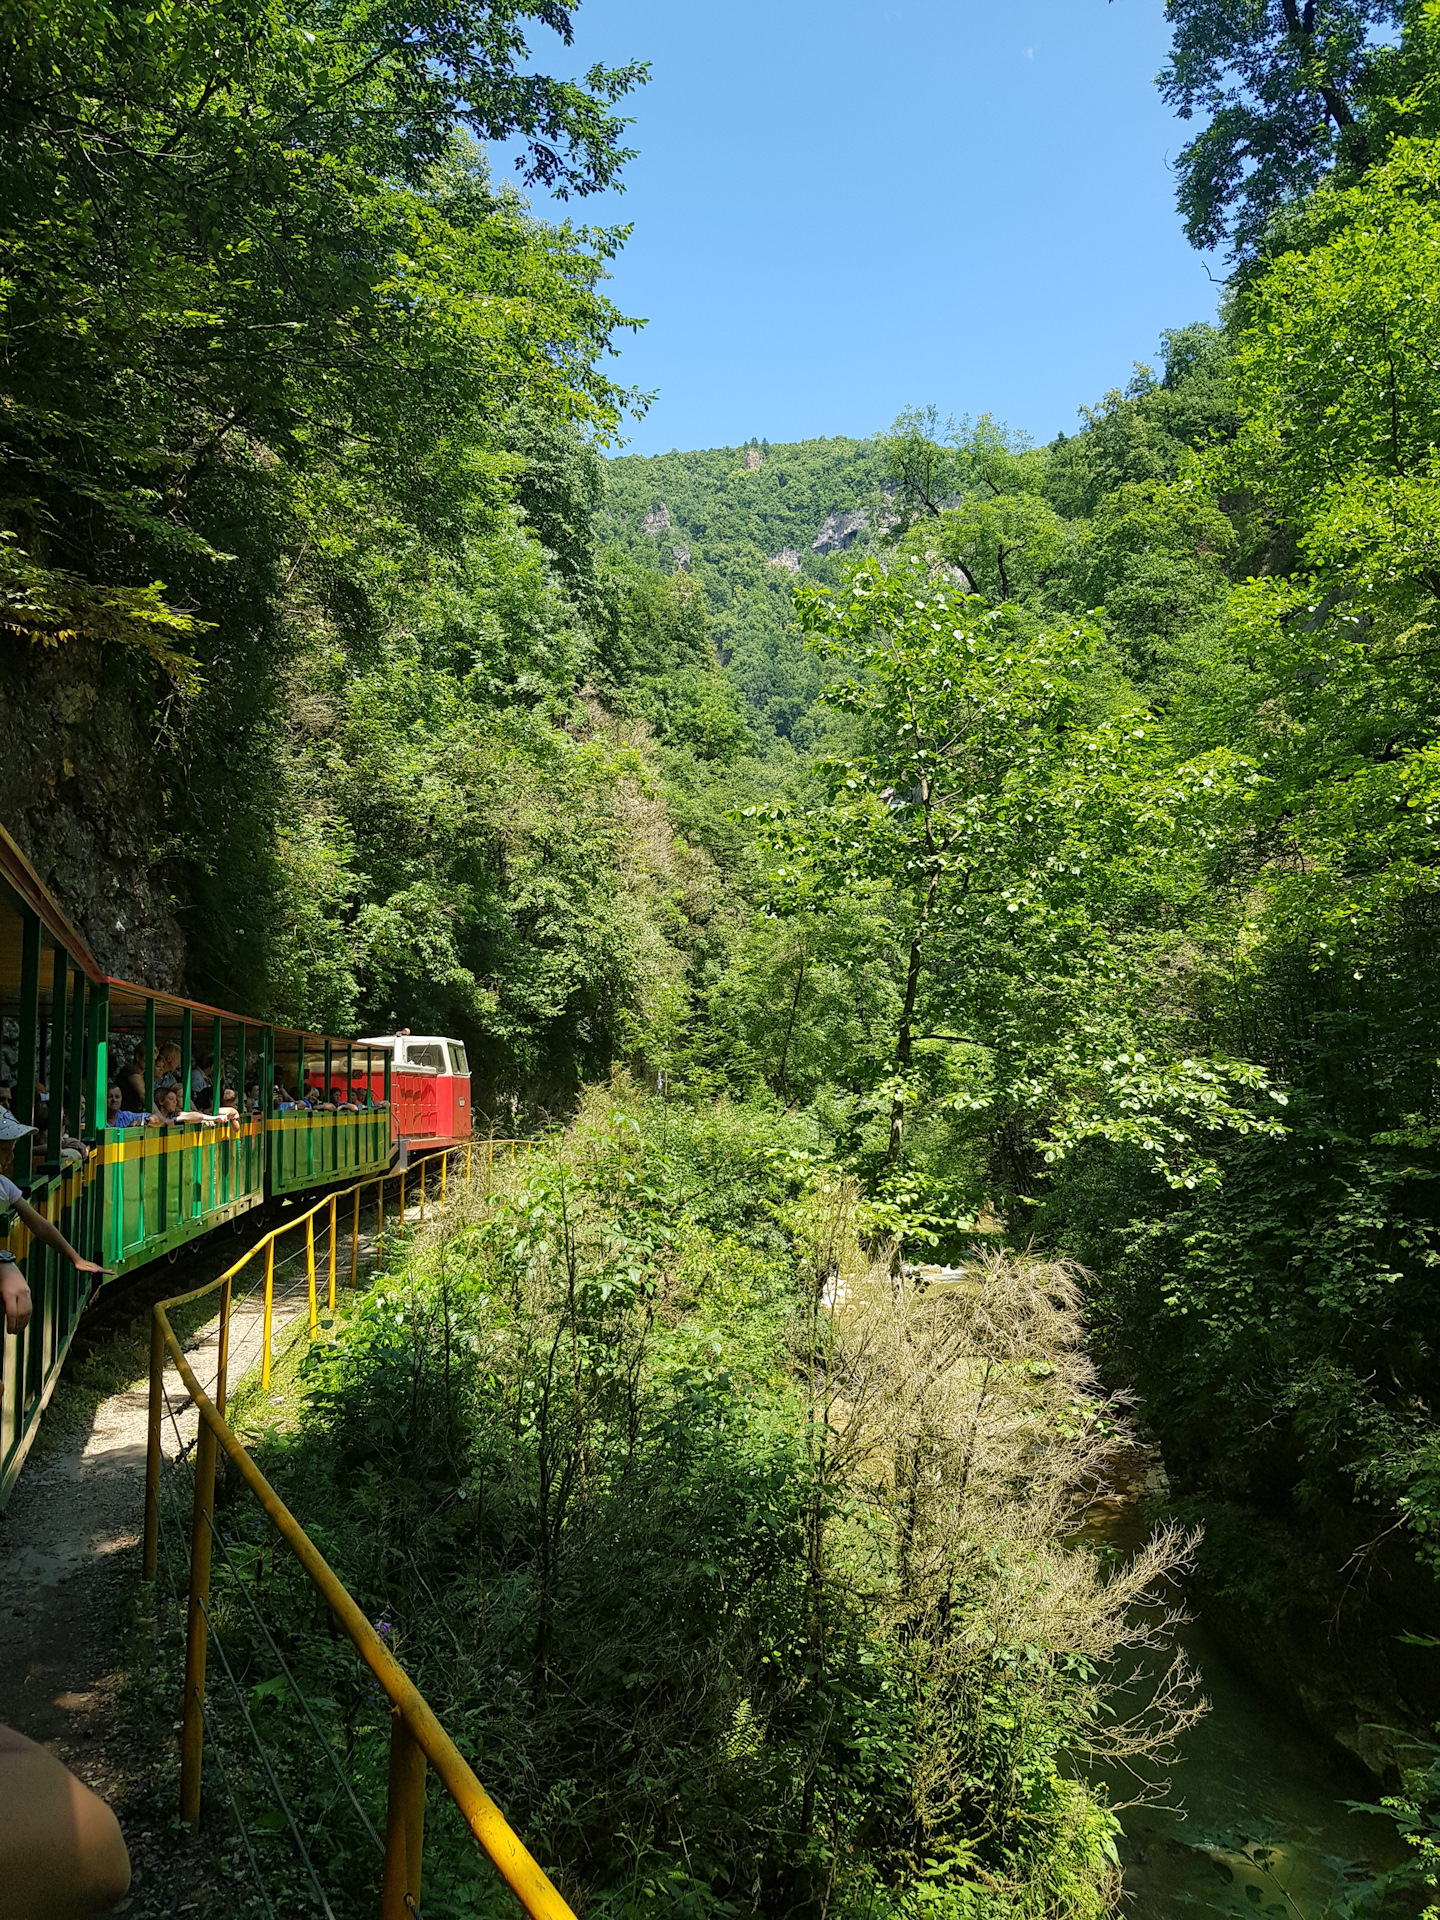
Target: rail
417, 1739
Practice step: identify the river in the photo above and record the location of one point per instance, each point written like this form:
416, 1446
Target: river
1255, 1820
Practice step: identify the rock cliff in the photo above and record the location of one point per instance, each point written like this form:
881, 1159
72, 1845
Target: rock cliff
81, 793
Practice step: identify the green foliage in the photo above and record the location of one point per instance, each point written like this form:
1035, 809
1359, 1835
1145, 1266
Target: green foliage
737, 521
628, 1500
1028, 849
1281, 82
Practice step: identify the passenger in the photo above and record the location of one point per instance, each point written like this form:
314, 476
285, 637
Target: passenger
6, 1096
119, 1115
14, 1289
252, 1097
168, 1110
200, 1082
62, 1854
228, 1112
339, 1103
132, 1084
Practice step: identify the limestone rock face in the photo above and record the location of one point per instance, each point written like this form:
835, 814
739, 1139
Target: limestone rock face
754, 458
657, 520
788, 557
681, 557
80, 793
841, 530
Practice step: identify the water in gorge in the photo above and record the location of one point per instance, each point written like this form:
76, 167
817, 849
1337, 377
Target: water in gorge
1255, 1820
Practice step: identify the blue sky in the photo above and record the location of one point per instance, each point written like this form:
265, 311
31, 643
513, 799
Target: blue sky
848, 208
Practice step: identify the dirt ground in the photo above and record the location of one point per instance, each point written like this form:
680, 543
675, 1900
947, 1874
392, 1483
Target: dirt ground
69, 1565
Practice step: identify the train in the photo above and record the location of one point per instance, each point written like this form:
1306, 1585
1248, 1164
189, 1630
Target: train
327, 1109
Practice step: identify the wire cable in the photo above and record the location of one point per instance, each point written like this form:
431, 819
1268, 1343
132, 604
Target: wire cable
259, 1746
207, 1720
320, 1734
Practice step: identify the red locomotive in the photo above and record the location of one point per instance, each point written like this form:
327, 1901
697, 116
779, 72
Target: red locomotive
429, 1088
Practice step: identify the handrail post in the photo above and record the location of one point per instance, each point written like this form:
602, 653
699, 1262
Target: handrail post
404, 1824
152, 1452
269, 1310
423, 1165
334, 1204
222, 1362
310, 1273
192, 1737
355, 1244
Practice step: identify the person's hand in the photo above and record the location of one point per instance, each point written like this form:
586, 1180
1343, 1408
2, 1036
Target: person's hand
87, 1266
15, 1296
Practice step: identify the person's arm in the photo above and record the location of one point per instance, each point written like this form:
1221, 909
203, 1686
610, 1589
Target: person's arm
204, 1118
46, 1230
62, 1854
14, 1294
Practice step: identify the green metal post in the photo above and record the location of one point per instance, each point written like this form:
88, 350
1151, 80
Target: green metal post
55, 1079
389, 1059
266, 1048
24, 1095
333, 1159
187, 1054
78, 1038
150, 1055
217, 1047
99, 1055
98, 1069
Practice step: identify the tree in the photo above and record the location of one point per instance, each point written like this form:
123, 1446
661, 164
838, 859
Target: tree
1280, 81
231, 243
1036, 855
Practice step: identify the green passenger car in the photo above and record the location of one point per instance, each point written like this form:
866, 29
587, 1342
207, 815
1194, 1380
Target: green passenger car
125, 1195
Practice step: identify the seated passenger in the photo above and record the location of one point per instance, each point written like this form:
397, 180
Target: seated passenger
338, 1102
132, 1087
167, 1066
119, 1115
14, 1290
228, 1111
168, 1110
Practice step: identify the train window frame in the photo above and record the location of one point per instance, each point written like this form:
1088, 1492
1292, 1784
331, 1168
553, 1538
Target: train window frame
459, 1059
428, 1055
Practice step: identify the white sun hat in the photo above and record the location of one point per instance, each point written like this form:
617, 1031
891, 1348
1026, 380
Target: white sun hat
10, 1127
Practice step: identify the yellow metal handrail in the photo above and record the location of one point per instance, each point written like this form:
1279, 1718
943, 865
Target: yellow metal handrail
416, 1736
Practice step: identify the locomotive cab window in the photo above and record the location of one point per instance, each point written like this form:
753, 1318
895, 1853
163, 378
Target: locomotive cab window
458, 1062
425, 1056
